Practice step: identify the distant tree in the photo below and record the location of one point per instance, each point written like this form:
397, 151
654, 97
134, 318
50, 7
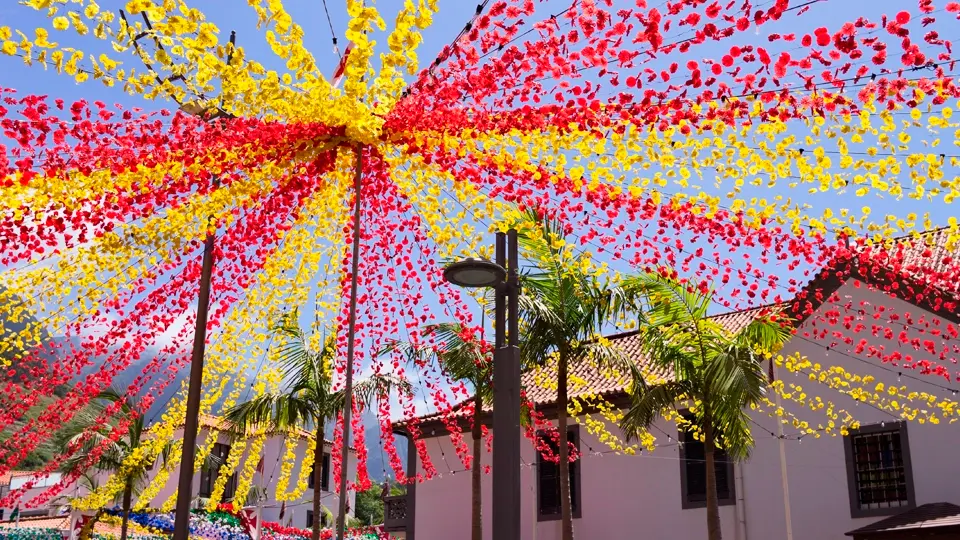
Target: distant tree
369, 510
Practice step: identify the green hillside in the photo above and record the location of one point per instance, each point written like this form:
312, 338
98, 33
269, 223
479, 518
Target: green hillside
48, 449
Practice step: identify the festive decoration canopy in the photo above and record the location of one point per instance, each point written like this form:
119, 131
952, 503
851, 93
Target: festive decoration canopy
739, 144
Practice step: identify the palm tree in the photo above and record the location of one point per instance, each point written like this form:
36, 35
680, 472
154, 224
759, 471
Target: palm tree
463, 357
115, 453
718, 370
308, 399
562, 310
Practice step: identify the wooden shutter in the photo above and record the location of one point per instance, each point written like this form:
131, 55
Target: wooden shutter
548, 479
325, 473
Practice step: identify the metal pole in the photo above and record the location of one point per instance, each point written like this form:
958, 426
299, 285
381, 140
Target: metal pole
506, 402
500, 312
411, 532
513, 294
259, 528
181, 525
783, 467
351, 334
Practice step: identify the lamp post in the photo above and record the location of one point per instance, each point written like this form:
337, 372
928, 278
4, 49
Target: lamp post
501, 275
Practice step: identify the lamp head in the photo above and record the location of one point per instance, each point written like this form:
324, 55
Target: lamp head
474, 273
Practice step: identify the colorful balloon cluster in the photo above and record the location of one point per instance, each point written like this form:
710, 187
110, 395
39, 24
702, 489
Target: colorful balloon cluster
694, 138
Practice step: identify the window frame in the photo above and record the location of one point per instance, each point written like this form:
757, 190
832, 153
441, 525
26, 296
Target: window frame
685, 502
207, 480
230, 488
323, 520
324, 473
575, 494
855, 510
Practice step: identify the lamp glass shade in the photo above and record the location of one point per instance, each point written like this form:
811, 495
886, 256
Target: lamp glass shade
474, 273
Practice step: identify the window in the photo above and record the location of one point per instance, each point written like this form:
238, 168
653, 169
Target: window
323, 519
878, 469
324, 474
548, 474
208, 476
693, 474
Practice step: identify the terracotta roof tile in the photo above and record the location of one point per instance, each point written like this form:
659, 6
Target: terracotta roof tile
586, 379
41, 522
7, 476
925, 257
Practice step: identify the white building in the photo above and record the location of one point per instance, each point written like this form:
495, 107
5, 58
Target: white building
16, 480
297, 513
828, 486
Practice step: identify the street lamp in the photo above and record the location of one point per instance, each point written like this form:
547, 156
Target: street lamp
475, 273
501, 275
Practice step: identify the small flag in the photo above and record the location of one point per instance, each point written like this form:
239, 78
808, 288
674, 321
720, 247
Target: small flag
78, 519
283, 509
16, 513
260, 465
250, 517
342, 66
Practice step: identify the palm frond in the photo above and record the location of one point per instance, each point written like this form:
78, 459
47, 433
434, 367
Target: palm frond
649, 403
130, 408
406, 349
90, 438
460, 359
212, 462
278, 411
541, 324
366, 390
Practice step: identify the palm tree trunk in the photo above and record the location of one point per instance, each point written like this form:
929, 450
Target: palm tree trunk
477, 528
317, 481
713, 508
566, 514
127, 496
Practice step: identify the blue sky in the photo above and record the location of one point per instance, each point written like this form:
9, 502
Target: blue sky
236, 15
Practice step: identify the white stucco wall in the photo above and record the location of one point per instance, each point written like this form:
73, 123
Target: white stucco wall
295, 513
41, 485
627, 497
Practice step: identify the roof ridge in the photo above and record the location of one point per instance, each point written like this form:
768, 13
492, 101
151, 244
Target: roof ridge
928, 231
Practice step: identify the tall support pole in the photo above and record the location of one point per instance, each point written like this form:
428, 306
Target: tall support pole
513, 297
499, 304
506, 398
181, 526
783, 477
772, 376
411, 532
351, 335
